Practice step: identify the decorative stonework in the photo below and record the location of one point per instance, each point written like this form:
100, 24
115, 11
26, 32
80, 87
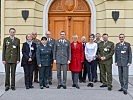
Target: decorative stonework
56, 6
81, 6
69, 4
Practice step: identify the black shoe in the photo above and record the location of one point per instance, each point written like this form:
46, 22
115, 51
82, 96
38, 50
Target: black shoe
91, 85
125, 92
31, 86
27, 87
74, 85
84, 81
41, 87
64, 87
95, 81
80, 81
59, 86
120, 89
77, 87
36, 81
109, 88
7, 88
13, 88
100, 81
50, 83
103, 85
46, 86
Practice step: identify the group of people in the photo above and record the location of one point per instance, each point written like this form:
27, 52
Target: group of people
81, 58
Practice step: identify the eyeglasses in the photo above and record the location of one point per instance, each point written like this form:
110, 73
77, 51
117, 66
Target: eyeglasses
121, 37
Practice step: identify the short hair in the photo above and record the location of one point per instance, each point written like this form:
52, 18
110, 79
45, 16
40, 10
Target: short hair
47, 32
12, 29
44, 38
92, 35
98, 34
83, 37
34, 33
105, 34
75, 36
122, 34
27, 36
62, 32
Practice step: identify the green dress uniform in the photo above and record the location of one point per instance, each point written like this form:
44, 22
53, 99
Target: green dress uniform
106, 49
37, 42
97, 59
10, 54
51, 43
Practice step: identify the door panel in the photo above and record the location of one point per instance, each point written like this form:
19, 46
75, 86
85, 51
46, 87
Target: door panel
79, 26
56, 25
71, 25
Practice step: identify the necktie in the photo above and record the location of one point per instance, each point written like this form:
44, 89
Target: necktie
62, 41
105, 42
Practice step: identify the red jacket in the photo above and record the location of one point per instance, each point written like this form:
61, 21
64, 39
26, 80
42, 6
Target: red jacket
77, 57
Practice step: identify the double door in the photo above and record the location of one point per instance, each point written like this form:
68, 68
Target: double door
72, 25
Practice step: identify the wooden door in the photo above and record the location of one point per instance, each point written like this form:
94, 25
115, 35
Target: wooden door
76, 26
71, 16
56, 25
79, 26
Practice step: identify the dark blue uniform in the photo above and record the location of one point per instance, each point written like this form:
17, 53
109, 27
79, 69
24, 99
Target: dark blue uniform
44, 57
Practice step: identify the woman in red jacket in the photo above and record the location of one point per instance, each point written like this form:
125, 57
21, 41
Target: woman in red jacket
77, 57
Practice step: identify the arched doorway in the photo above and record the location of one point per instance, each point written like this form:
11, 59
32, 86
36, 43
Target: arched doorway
71, 16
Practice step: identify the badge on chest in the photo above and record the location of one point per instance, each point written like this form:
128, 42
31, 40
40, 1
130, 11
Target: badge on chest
105, 49
32, 48
123, 52
13, 46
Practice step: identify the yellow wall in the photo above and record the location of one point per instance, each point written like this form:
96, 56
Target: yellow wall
104, 22
124, 24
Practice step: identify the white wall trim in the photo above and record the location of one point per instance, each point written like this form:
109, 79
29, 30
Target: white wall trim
93, 15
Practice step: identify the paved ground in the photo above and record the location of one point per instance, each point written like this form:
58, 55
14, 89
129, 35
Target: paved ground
84, 93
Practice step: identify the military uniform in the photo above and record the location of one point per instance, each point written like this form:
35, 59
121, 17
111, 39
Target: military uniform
62, 53
123, 57
37, 42
11, 54
44, 57
95, 69
106, 49
51, 43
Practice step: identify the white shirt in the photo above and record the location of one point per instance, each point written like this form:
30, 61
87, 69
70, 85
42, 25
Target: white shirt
90, 50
